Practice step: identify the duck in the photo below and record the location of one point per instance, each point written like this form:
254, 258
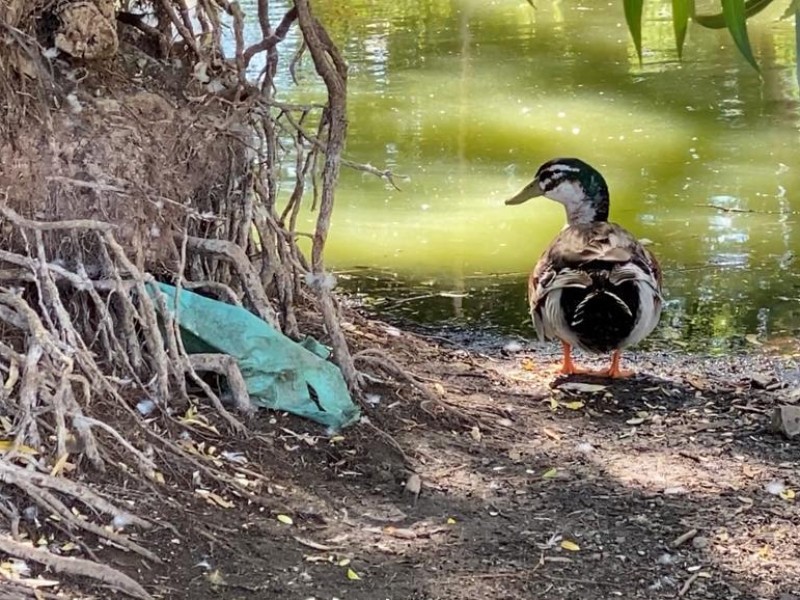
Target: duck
595, 287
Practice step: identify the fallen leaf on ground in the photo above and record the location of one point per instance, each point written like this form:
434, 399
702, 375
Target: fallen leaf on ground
551, 434
215, 577
213, 498
570, 545
59, 466
550, 473
403, 534
352, 575
414, 484
753, 339
475, 433
589, 388
5, 446
285, 519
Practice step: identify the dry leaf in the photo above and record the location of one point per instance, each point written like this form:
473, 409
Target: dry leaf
451, 521
6, 424
787, 495
475, 432
414, 484
550, 473
59, 466
215, 577
213, 498
13, 376
570, 545
285, 519
589, 388
551, 434
403, 534
352, 575
5, 446
753, 339
316, 559
577, 405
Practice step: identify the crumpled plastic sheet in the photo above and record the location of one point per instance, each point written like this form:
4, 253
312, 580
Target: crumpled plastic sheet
279, 373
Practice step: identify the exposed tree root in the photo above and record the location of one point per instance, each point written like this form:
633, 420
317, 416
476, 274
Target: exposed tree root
379, 360
82, 341
75, 566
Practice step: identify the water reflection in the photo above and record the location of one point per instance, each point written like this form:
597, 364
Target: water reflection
467, 97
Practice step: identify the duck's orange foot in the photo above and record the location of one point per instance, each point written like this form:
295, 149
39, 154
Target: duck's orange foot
614, 371
568, 367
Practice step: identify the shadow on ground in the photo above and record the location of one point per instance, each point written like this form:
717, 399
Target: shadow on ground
666, 485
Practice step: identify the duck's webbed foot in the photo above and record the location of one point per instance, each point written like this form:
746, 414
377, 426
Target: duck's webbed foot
568, 367
614, 371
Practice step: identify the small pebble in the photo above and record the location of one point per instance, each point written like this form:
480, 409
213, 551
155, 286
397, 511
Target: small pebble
700, 542
775, 487
146, 406
666, 559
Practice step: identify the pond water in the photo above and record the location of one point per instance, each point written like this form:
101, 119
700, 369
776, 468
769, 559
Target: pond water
464, 99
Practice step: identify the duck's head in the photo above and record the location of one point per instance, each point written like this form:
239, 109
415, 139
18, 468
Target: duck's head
573, 183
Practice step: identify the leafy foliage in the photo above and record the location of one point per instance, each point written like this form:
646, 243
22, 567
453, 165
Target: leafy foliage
633, 16
681, 11
733, 16
736, 21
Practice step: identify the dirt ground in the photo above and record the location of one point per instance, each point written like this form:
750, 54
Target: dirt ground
667, 485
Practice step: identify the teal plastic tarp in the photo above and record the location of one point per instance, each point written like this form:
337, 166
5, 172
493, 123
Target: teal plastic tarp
279, 373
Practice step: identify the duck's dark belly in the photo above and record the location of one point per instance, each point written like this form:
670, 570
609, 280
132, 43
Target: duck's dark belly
601, 317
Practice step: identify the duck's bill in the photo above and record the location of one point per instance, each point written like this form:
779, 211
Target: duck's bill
532, 190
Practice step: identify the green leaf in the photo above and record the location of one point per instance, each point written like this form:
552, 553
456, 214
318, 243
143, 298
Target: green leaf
633, 16
736, 21
681, 10
717, 21
791, 10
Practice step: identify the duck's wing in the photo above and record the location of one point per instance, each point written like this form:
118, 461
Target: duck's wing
581, 250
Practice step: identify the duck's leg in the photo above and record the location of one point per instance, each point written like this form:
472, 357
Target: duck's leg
567, 366
614, 371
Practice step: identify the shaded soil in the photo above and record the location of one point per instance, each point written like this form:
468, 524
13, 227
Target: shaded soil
531, 487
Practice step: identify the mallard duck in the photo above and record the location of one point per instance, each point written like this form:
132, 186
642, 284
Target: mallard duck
595, 287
